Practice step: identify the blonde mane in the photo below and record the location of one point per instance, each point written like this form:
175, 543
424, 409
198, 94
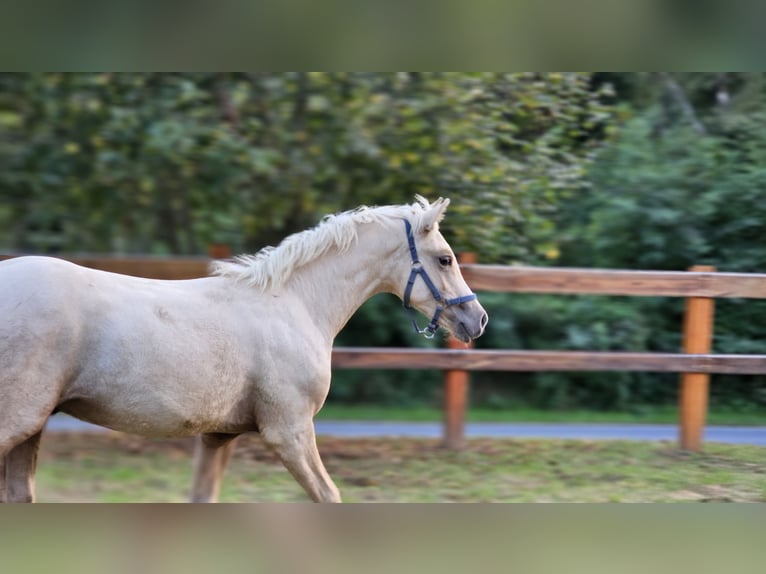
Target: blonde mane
272, 266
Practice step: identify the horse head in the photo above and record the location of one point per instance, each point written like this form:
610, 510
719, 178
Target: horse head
434, 285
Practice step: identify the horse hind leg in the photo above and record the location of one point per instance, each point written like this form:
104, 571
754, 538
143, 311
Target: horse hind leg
18, 461
24, 410
211, 455
20, 465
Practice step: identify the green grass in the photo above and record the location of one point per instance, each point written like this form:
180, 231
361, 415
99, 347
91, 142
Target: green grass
656, 415
110, 467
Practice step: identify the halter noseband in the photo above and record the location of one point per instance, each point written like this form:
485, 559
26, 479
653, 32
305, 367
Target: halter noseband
418, 269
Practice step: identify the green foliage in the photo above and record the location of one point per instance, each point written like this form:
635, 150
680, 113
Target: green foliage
671, 202
667, 197
169, 163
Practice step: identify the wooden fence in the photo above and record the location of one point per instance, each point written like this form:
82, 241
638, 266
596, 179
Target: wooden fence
700, 286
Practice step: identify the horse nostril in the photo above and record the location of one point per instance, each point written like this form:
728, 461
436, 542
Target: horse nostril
484, 320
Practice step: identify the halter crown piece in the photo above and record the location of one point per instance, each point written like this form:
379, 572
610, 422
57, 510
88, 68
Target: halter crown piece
419, 270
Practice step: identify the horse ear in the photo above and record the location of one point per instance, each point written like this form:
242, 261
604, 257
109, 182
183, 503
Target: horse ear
435, 214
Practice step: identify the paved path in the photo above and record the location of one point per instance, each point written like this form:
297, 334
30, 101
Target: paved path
738, 435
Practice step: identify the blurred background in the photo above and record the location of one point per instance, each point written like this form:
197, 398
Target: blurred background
621, 170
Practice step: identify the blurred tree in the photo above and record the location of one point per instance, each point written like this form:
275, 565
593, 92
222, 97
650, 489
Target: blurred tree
682, 184
168, 163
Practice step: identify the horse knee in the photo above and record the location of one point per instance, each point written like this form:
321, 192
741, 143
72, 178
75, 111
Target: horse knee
286, 436
296, 448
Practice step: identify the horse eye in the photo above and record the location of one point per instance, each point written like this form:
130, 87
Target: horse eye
445, 260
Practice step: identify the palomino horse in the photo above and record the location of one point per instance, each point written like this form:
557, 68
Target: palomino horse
247, 349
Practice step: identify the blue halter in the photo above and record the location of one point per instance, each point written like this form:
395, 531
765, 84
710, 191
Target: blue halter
419, 270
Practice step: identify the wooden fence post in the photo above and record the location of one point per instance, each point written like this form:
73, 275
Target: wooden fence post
456, 389
218, 251
694, 389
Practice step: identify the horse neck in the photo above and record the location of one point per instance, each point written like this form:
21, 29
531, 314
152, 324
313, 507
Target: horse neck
335, 285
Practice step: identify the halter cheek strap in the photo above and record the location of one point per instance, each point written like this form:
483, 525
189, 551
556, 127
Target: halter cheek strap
419, 271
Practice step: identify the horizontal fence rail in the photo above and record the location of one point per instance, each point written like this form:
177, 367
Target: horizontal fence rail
518, 279
521, 361
142, 266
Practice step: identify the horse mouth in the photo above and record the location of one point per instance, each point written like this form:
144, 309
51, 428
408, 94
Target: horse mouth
466, 331
463, 334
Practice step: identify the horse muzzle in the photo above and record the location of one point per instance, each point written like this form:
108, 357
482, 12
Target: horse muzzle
467, 321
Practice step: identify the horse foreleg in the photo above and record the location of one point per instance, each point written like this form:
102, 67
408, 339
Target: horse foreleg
211, 455
20, 465
296, 448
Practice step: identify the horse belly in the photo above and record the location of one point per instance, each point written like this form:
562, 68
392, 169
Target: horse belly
161, 397
160, 419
